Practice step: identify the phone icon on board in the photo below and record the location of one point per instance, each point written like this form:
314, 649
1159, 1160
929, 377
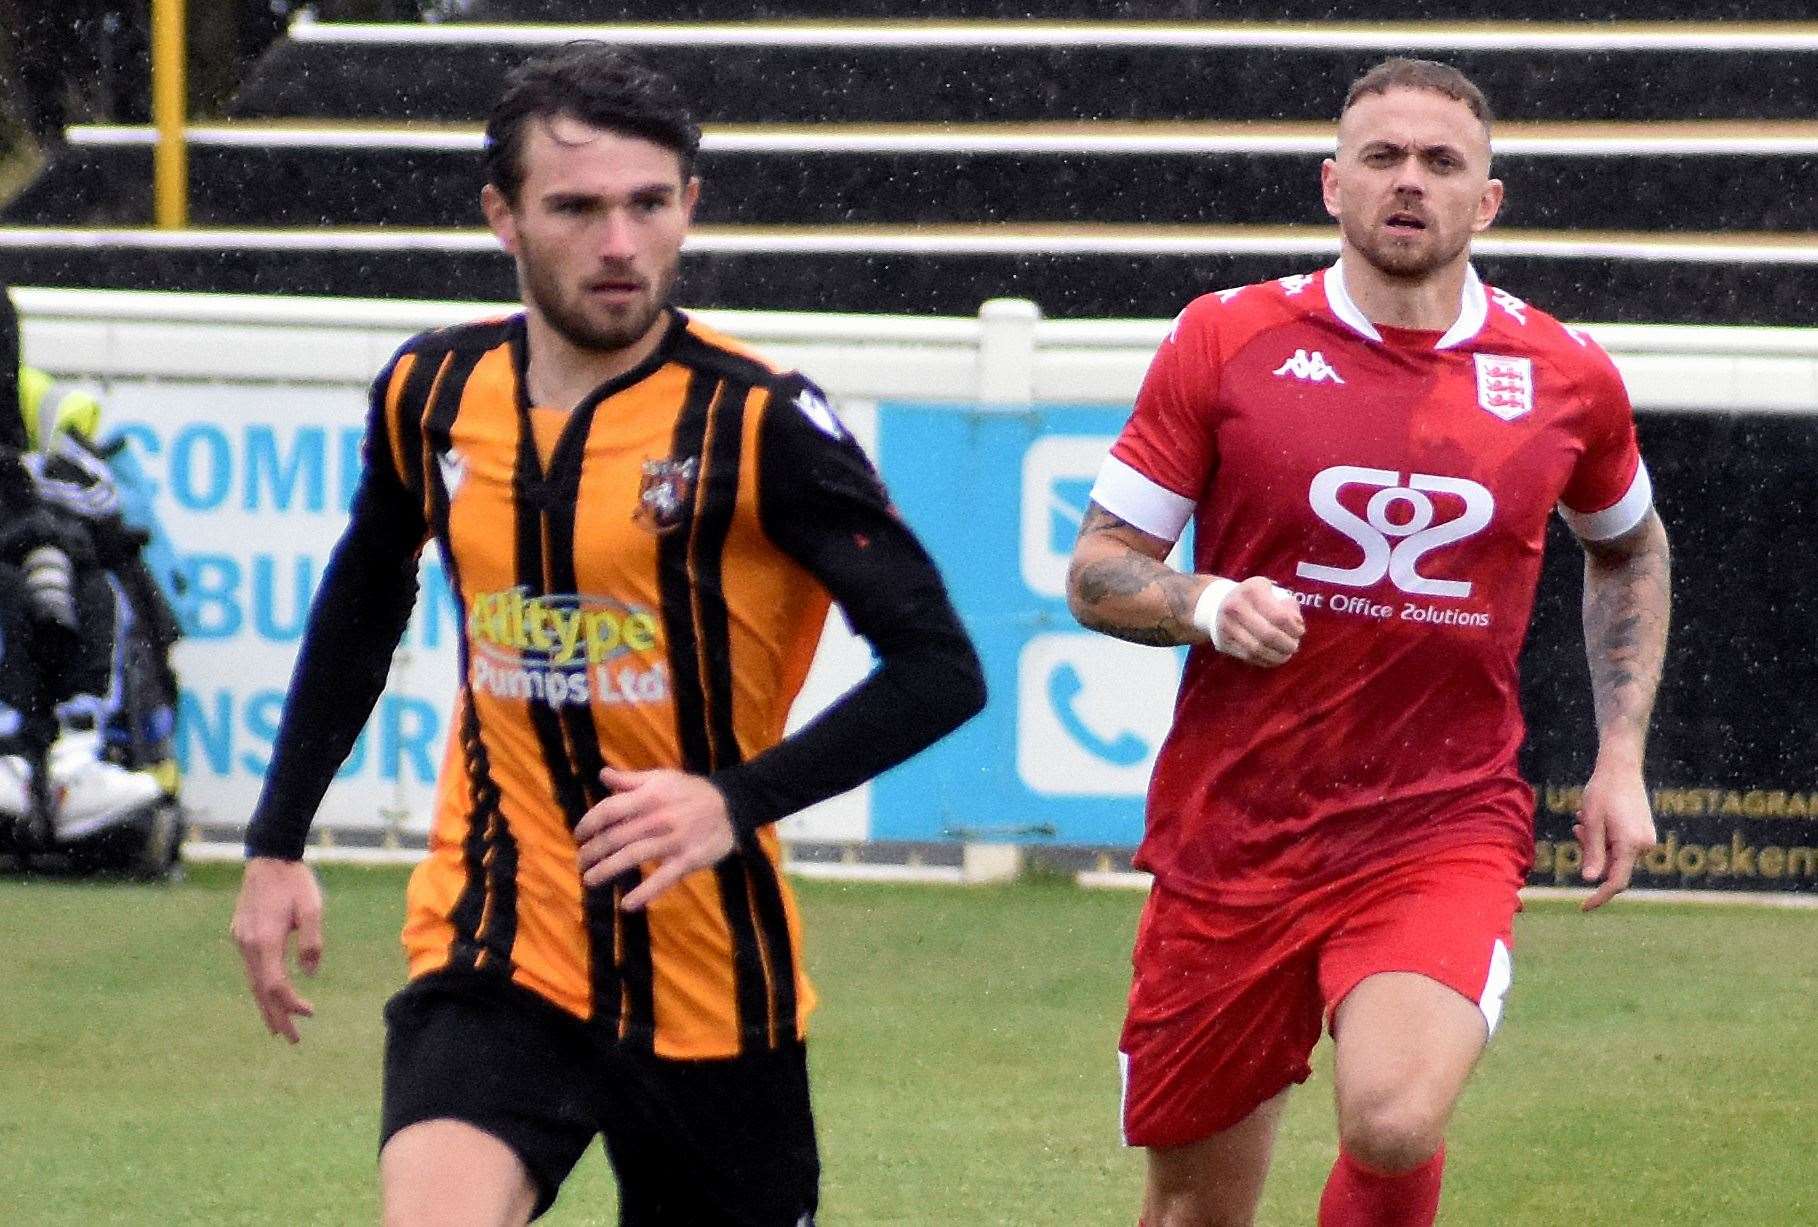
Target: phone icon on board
1064, 686
1091, 714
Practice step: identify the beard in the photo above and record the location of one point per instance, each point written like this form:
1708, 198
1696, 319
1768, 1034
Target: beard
1401, 261
564, 310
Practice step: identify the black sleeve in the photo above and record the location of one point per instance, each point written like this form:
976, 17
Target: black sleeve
355, 622
12, 425
25, 522
823, 505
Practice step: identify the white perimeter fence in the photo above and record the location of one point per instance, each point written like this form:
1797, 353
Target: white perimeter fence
246, 413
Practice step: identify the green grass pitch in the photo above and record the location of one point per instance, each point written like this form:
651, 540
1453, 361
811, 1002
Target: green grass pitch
1657, 1065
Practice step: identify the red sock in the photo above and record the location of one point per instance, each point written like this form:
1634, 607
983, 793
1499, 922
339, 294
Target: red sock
1355, 1196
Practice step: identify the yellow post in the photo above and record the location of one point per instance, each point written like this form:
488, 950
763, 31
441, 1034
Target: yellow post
170, 168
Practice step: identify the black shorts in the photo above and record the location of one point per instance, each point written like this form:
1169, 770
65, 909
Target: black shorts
698, 1143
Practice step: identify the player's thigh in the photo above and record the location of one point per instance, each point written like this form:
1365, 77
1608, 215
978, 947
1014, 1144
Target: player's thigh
479, 1078
449, 1173
1415, 981
1224, 1010
1405, 1046
713, 1143
1216, 1181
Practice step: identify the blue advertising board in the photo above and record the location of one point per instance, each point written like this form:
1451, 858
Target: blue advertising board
1064, 750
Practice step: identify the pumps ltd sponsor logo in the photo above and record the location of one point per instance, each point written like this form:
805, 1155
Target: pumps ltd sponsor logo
566, 649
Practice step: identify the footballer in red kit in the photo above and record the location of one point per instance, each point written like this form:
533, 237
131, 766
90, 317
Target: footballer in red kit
1336, 825
1401, 494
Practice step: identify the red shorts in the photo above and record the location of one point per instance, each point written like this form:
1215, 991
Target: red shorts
1228, 1002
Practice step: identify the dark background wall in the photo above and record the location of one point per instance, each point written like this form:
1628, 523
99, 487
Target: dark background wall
1734, 750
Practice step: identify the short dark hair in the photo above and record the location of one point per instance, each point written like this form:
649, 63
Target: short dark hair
597, 84
1431, 75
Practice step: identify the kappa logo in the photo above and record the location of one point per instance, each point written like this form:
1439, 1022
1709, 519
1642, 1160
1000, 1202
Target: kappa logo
454, 470
663, 496
1513, 305
1295, 284
1310, 365
1505, 386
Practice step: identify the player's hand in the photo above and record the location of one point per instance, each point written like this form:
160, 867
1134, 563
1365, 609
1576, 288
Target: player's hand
678, 820
1259, 624
278, 898
1615, 826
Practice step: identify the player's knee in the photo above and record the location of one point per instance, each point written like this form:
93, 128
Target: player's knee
1392, 1135
441, 1172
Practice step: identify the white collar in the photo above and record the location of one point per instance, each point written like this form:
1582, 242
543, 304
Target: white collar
1473, 308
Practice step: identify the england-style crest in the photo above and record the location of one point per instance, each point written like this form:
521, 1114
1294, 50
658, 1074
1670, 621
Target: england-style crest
663, 496
1505, 386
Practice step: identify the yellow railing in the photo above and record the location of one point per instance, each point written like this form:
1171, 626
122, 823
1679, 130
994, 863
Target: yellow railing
170, 166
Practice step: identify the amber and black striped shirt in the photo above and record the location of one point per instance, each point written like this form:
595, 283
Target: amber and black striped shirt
642, 582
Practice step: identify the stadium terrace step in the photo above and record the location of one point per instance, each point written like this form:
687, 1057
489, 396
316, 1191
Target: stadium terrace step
1661, 177
1026, 71
1073, 272
1131, 10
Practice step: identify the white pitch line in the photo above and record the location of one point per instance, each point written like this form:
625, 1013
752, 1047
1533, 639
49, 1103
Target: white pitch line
1752, 898
837, 871
219, 852
201, 852
1132, 880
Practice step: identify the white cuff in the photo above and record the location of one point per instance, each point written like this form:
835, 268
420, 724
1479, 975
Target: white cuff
1140, 501
1618, 518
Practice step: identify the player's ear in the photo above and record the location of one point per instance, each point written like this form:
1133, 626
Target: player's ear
499, 218
1328, 185
691, 196
1488, 206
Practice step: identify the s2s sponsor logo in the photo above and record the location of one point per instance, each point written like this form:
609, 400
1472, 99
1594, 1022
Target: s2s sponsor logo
1400, 526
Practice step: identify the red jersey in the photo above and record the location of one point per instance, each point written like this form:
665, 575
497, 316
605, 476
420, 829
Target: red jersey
1398, 483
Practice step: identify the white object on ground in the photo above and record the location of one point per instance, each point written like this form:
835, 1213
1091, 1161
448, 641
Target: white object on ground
89, 792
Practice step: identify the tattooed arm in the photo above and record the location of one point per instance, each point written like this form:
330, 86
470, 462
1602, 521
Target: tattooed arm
1626, 604
1120, 585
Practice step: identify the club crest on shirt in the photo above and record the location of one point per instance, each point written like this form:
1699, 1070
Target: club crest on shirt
1505, 386
663, 496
